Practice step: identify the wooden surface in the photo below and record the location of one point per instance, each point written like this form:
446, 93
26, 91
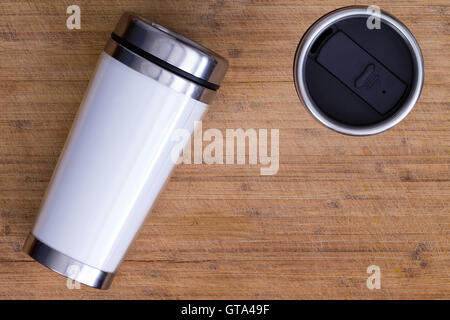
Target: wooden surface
337, 205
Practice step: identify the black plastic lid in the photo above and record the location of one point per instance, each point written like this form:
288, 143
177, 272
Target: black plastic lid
355, 79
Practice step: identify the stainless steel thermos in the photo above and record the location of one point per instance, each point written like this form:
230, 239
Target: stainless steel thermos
149, 82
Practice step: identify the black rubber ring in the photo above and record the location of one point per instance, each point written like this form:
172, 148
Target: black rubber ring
163, 64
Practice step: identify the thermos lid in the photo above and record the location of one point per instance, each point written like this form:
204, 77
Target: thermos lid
358, 75
170, 50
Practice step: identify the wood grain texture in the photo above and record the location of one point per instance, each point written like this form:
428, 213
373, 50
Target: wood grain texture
337, 205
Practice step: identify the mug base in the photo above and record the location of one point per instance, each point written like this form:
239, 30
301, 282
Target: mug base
67, 266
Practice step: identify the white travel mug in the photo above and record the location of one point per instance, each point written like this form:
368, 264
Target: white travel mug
149, 82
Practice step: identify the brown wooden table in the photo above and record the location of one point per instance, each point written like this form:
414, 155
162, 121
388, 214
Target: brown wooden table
337, 205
